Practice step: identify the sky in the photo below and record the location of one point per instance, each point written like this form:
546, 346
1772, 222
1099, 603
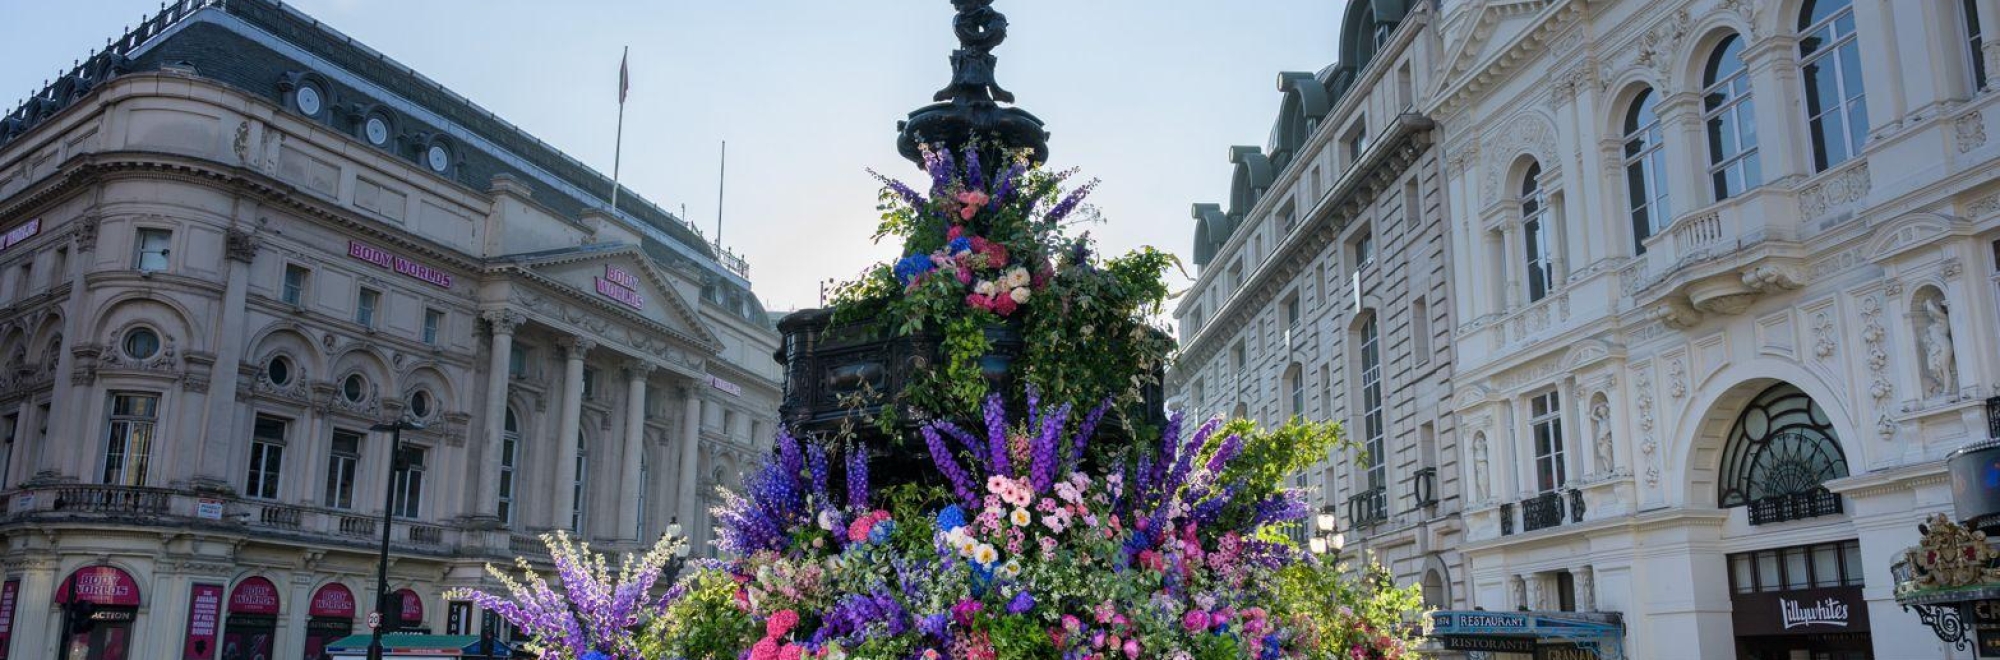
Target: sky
1145, 95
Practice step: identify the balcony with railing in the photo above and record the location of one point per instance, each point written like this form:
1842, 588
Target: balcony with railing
1423, 488
109, 500
1720, 258
168, 507
1367, 508
1551, 509
1795, 506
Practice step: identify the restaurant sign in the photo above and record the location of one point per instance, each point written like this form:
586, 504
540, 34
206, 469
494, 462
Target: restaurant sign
1489, 643
396, 262
1565, 652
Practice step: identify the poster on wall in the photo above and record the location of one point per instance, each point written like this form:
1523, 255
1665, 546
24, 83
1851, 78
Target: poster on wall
8, 592
204, 614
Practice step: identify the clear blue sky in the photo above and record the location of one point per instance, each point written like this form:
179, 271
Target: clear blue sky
1146, 95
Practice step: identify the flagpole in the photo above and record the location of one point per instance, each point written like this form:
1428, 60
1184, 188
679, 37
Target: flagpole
618, 152
721, 177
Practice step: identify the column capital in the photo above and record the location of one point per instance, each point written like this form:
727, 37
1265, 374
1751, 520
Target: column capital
241, 245
503, 321
637, 368
576, 347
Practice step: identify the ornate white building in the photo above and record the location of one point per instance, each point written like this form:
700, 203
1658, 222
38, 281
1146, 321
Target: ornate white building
1726, 279
1323, 293
236, 240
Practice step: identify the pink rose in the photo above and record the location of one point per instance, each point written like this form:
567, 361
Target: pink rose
973, 198
1131, 648
1195, 621
858, 531
1004, 305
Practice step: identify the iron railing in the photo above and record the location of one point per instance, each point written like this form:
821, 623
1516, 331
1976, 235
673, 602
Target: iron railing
1542, 511
1795, 506
1423, 487
1367, 508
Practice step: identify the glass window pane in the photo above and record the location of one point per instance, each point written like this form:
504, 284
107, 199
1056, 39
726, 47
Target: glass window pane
1768, 576
1797, 573
1851, 559
1826, 565
1742, 575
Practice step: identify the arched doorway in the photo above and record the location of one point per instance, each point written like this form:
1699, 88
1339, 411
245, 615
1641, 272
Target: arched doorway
113, 598
331, 617
253, 621
1799, 599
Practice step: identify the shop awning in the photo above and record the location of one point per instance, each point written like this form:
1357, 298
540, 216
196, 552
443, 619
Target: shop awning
1582, 635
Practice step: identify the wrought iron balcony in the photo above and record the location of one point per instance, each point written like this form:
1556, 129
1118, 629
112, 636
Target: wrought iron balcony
1367, 508
1542, 511
1795, 506
1423, 487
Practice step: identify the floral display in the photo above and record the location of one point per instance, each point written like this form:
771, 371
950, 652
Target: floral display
986, 247
592, 613
1021, 553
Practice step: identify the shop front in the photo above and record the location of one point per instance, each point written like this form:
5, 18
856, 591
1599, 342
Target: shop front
252, 629
330, 617
409, 611
1539, 635
106, 602
1800, 602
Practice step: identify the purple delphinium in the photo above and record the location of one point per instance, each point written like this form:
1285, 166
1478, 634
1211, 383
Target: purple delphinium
1069, 203
1047, 446
961, 484
973, 176
595, 611
1007, 184
1084, 432
857, 478
1231, 446
821, 474
996, 436
909, 195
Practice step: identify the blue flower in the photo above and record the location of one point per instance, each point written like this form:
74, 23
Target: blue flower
593, 654
1021, 603
881, 531
950, 518
913, 266
960, 244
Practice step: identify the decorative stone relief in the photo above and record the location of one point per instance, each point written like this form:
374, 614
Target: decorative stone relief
1676, 379
1952, 267
1481, 487
1527, 133
1873, 336
1823, 334
1600, 433
1647, 446
241, 145
1842, 188
1970, 129
241, 245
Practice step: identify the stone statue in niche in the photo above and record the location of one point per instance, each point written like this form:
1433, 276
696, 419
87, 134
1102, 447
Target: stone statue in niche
1479, 485
1600, 433
1517, 592
1940, 365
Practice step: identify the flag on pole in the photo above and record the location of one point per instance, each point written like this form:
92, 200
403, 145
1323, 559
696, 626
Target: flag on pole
624, 76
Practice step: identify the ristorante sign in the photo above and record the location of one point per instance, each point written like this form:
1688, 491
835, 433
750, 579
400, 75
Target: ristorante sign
396, 262
1800, 612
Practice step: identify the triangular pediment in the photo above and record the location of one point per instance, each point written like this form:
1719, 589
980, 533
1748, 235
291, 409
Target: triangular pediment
621, 277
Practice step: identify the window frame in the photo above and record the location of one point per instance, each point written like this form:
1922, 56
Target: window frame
407, 499
291, 292
1644, 156
1841, 51
433, 325
510, 449
1368, 360
367, 307
140, 428
140, 251
1738, 110
264, 478
1545, 430
342, 468
1539, 262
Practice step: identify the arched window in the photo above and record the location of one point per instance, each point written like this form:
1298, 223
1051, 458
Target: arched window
1645, 169
510, 455
1368, 351
1535, 231
1732, 127
1780, 454
1830, 57
1975, 42
1437, 596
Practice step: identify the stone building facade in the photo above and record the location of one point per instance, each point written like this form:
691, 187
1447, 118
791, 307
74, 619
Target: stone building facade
234, 242
1323, 294
1726, 296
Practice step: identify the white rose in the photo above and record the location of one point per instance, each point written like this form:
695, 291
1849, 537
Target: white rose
1018, 277
985, 288
1020, 295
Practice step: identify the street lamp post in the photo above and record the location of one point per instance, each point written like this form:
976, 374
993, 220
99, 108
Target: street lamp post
380, 618
1325, 539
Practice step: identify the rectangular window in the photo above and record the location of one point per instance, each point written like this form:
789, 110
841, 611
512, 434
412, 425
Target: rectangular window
517, 361
578, 491
59, 267
510, 450
151, 249
409, 484
342, 461
645, 492
1405, 88
1292, 314
365, 306
1545, 420
1420, 331
1290, 217
1816, 566
9, 432
294, 290
1356, 140
27, 281
1541, 271
1371, 406
130, 447
589, 383
1975, 43
1413, 206
433, 321
267, 458
1363, 249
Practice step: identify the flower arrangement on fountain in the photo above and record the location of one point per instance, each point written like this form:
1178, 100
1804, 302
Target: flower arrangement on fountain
985, 247
1020, 552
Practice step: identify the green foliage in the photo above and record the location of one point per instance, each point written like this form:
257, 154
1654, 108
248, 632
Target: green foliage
704, 624
1342, 610
1270, 456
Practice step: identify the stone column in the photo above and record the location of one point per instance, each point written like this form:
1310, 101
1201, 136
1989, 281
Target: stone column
636, 372
502, 322
568, 429
1513, 254
62, 451
689, 498
211, 465
1784, 150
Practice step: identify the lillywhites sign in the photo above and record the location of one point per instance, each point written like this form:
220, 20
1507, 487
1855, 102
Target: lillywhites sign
1828, 611
621, 285
396, 262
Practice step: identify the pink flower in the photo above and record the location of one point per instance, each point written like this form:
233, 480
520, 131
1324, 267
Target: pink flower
1195, 621
1070, 622
858, 531
1004, 305
791, 652
973, 198
964, 275
764, 649
977, 301
954, 233
1131, 648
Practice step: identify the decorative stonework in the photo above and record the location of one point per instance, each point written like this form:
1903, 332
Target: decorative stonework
1823, 335
1952, 267
241, 245
1873, 337
1773, 278
1528, 133
503, 321
1950, 555
1970, 129
1647, 445
1676, 379
1840, 189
